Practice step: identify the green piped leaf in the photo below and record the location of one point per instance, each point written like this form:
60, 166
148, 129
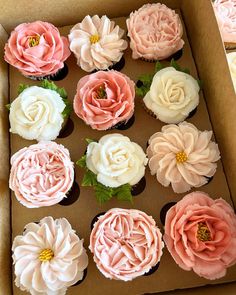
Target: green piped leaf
22, 87
8, 106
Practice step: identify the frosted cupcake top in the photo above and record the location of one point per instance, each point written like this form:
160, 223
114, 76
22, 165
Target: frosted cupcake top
225, 11
126, 243
200, 234
173, 95
182, 156
97, 43
155, 32
231, 58
104, 99
49, 257
37, 49
41, 174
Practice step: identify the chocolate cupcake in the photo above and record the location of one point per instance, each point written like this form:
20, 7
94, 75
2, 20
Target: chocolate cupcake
38, 51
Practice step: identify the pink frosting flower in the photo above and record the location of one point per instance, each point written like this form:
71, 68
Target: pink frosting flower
225, 11
183, 156
200, 234
37, 49
126, 243
155, 32
41, 174
104, 99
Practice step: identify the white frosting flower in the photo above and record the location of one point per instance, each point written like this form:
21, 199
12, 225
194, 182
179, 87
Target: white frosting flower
172, 96
116, 160
37, 114
49, 257
231, 57
97, 43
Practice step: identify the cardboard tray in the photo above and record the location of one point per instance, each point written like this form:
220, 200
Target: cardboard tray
199, 56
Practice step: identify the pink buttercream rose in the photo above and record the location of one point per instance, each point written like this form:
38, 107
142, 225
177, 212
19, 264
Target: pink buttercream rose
37, 49
200, 234
41, 174
104, 99
155, 32
126, 243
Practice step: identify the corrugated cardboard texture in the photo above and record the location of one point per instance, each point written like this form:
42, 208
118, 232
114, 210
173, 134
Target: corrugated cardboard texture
169, 276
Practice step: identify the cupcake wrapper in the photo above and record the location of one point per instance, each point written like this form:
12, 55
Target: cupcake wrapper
230, 45
118, 66
59, 75
148, 110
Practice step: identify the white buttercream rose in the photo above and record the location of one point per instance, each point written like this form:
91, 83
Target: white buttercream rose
37, 114
172, 96
116, 160
231, 57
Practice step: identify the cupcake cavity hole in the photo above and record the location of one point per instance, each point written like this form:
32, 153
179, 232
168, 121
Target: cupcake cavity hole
139, 84
177, 55
72, 195
60, 75
164, 210
83, 278
209, 179
192, 113
95, 219
67, 129
139, 187
119, 65
123, 125
152, 270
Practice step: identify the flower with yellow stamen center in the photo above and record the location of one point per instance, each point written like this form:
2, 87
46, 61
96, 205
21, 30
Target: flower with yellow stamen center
46, 255
34, 40
203, 232
94, 39
181, 157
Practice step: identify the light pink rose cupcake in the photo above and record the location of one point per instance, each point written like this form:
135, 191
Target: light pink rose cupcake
41, 174
200, 234
155, 32
126, 244
104, 99
37, 50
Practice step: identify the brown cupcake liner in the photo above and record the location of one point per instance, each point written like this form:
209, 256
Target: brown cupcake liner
230, 45
149, 60
148, 110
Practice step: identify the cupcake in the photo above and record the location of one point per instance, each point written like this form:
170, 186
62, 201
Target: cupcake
225, 11
97, 43
37, 50
48, 257
126, 244
200, 234
172, 95
155, 32
105, 99
231, 58
41, 174
113, 165
182, 156
39, 112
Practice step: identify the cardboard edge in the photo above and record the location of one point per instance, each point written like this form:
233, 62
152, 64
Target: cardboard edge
5, 202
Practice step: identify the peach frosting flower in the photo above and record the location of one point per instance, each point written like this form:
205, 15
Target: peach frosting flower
200, 234
225, 11
41, 174
155, 32
97, 43
126, 243
182, 156
37, 49
48, 258
104, 99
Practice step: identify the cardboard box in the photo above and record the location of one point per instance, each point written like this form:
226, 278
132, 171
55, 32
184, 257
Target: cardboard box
205, 51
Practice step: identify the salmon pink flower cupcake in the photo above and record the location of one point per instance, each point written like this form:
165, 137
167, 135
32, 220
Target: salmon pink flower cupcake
200, 234
38, 51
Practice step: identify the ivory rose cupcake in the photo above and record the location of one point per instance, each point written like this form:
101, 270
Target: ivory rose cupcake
41, 174
39, 112
126, 244
231, 58
37, 50
113, 165
225, 11
155, 32
48, 257
182, 156
105, 99
171, 96
200, 234
97, 43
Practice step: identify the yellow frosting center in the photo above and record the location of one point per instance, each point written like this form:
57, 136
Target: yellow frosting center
46, 255
34, 41
203, 232
94, 39
101, 93
181, 157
